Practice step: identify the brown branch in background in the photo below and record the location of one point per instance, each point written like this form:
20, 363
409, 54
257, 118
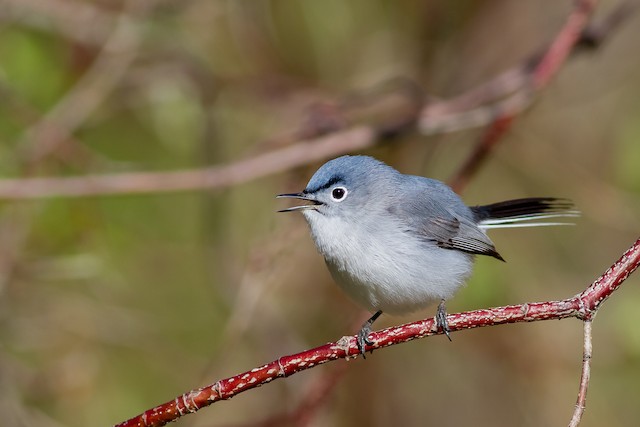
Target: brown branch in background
582, 306
581, 401
436, 120
543, 72
476, 107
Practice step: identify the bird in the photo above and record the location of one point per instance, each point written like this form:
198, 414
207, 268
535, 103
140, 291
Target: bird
398, 243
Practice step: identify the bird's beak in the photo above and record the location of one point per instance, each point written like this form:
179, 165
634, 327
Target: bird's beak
300, 196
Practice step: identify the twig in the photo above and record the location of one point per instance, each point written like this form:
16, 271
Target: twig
582, 306
581, 402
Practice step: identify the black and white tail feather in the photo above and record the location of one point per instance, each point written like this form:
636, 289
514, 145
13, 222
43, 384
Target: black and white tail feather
527, 212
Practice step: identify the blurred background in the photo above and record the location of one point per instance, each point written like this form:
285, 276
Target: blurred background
112, 304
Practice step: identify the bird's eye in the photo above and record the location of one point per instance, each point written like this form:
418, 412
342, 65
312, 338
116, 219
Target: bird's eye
338, 193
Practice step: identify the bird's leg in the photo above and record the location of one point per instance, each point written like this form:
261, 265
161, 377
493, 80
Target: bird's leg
441, 319
363, 334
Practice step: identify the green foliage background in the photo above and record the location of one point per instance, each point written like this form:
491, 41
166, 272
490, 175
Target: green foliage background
111, 305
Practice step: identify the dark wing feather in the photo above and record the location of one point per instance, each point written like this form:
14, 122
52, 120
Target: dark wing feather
454, 233
531, 208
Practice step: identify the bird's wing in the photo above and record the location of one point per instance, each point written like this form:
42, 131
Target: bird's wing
459, 233
443, 220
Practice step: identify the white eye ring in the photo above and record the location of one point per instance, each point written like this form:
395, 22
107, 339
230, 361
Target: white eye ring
338, 194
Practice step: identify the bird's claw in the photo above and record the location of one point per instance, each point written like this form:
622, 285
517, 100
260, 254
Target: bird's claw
363, 340
441, 320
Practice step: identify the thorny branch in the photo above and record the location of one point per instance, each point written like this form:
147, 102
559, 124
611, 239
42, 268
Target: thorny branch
582, 306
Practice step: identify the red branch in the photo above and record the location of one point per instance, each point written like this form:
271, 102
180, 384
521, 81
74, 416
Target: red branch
545, 69
582, 306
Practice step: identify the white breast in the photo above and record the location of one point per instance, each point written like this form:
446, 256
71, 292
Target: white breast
387, 268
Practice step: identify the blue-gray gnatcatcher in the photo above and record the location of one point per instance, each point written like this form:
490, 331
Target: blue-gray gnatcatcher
397, 243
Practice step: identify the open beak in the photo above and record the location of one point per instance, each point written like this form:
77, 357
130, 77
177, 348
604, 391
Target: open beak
299, 196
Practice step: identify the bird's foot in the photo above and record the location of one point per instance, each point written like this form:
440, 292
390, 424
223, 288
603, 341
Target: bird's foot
362, 339
441, 320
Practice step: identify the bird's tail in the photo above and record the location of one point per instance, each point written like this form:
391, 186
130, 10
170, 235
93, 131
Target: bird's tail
529, 212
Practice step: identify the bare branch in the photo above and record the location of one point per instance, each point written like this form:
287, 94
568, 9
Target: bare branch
582, 306
581, 402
